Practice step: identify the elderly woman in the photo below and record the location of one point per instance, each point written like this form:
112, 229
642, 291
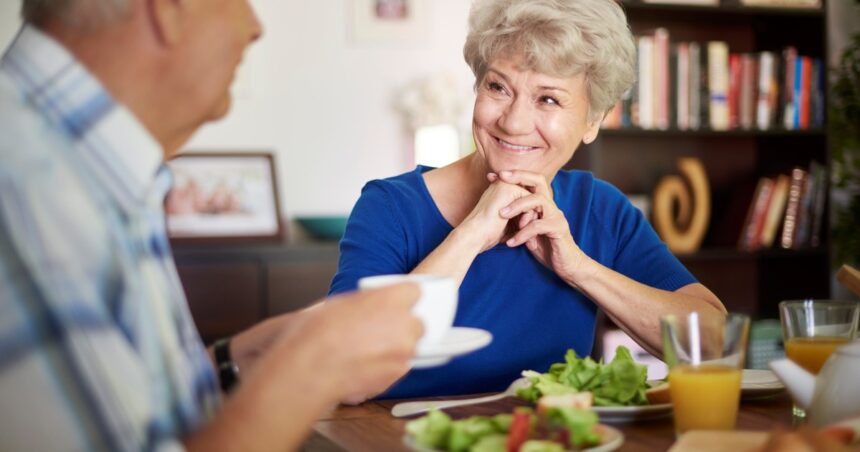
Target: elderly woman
537, 250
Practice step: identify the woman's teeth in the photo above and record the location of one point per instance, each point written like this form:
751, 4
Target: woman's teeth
514, 147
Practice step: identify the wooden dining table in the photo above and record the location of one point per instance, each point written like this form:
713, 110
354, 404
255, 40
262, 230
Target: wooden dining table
371, 427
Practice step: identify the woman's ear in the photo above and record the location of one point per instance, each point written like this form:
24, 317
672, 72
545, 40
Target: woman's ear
166, 19
591, 132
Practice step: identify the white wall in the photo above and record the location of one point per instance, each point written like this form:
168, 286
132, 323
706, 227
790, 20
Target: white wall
9, 21
323, 102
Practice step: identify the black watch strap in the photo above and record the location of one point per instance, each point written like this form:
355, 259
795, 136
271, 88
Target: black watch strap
228, 371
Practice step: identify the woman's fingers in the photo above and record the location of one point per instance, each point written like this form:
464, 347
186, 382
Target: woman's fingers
531, 231
534, 182
532, 203
527, 218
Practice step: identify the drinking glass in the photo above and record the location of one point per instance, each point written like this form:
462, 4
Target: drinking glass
813, 329
706, 360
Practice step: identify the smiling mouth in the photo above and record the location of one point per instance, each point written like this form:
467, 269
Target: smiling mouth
514, 147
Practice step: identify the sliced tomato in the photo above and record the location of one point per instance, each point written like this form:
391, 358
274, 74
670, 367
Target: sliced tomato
519, 431
563, 437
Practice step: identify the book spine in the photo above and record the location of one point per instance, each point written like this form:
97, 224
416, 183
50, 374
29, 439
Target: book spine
695, 86
821, 187
789, 55
749, 87
795, 97
682, 85
646, 82
765, 91
735, 72
662, 79
718, 84
819, 86
776, 210
805, 92
798, 180
753, 226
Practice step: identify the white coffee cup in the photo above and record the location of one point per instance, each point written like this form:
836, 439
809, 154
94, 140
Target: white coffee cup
436, 305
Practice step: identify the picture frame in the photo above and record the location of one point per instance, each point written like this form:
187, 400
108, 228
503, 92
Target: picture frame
223, 197
389, 21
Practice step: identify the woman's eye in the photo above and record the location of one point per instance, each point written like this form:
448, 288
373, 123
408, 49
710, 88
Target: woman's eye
548, 100
497, 87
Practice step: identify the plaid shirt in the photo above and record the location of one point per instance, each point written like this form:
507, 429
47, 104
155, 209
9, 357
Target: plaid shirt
98, 350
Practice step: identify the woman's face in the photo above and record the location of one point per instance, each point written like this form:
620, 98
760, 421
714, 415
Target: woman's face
526, 120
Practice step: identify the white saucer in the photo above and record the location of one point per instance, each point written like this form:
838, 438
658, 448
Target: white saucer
458, 341
760, 383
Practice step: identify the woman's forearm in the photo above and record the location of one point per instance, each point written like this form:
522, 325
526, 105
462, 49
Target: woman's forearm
453, 256
637, 308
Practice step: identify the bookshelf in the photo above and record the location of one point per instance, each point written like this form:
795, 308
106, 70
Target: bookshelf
635, 159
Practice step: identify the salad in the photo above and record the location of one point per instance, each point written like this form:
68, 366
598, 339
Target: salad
621, 382
550, 429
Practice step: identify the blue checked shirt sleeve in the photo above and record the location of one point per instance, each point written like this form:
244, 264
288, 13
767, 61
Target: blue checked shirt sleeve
70, 378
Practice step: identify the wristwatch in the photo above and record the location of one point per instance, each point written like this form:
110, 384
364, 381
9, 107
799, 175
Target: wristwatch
228, 371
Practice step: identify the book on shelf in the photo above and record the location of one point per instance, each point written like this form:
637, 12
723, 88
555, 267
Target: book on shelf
734, 103
754, 224
682, 91
646, 82
698, 82
661, 78
748, 91
787, 68
718, 84
795, 191
768, 91
819, 173
775, 210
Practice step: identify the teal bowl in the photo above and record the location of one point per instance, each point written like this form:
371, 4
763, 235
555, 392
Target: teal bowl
327, 227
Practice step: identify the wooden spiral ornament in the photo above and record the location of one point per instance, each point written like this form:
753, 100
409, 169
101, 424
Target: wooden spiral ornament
682, 206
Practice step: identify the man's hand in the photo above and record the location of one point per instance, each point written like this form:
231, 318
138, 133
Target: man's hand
360, 342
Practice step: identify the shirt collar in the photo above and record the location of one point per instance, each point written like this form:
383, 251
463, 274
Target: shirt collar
110, 142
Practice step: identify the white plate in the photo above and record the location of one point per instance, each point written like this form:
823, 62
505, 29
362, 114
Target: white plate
759, 383
623, 414
458, 341
611, 439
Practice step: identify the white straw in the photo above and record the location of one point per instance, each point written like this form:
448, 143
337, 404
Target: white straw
695, 343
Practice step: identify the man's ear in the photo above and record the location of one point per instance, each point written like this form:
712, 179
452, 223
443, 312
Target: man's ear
166, 18
591, 132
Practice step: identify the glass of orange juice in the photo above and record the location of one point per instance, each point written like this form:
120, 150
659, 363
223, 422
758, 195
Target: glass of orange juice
705, 360
813, 329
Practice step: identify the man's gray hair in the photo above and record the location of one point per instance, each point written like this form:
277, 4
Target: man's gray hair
86, 14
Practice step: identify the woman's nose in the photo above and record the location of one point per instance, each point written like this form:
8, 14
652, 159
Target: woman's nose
517, 118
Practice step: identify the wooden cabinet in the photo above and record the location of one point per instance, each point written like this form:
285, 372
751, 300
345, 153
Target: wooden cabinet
230, 287
634, 159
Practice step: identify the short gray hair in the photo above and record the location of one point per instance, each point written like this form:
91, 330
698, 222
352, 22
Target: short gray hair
86, 14
557, 37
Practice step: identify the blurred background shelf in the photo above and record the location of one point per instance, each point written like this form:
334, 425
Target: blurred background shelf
634, 159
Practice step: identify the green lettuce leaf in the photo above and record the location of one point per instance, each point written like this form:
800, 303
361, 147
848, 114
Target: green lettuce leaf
431, 430
621, 382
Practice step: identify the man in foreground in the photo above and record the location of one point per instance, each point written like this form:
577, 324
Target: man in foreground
97, 348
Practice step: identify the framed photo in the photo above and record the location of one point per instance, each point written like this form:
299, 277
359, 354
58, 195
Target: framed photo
389, 21
223, 197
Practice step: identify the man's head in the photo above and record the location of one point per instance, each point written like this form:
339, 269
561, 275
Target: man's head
171, 62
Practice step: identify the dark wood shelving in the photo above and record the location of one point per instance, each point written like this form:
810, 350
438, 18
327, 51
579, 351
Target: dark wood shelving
637, 132
770, 253
724, 7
